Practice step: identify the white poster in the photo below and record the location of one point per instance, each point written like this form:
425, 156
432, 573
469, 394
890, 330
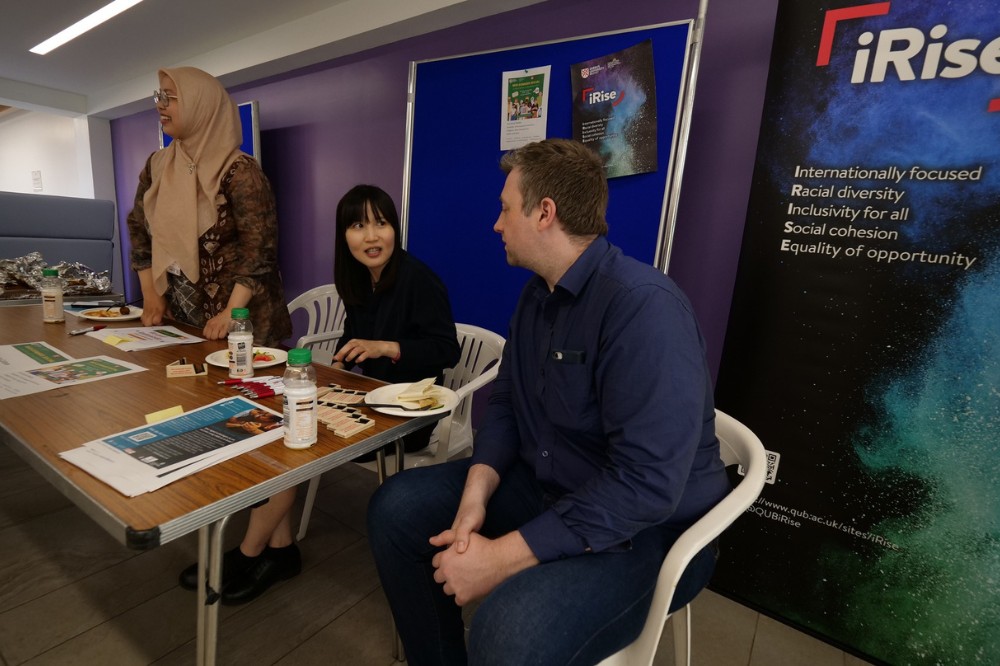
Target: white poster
525, 95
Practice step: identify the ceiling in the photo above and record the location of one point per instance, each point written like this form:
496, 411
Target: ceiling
111, 70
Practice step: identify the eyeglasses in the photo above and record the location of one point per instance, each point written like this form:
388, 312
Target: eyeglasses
161, 98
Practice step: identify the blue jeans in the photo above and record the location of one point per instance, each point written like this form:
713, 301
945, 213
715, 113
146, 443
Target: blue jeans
576, 610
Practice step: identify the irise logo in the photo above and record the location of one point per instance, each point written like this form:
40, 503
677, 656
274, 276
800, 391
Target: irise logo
594, 96
900, 49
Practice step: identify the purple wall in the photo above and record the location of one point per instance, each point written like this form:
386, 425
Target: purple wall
328, 127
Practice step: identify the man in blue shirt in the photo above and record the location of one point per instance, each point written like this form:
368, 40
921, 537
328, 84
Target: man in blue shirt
597, 449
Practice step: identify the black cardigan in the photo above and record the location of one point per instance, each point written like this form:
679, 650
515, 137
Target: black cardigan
416, 313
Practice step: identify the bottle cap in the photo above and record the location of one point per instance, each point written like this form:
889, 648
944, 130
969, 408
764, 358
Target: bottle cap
241, 313
299, 356
50, 272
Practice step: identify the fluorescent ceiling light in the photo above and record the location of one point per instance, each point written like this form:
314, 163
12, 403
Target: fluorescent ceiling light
83, 25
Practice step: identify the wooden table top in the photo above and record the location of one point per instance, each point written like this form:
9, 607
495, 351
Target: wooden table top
41, 425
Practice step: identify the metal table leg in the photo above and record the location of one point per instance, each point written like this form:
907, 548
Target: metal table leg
380, 461
209, 589
399, 455
397, 645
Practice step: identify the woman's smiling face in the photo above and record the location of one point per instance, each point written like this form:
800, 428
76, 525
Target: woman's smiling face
171, 114
371, 241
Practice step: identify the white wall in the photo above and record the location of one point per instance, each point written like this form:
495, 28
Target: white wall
72, 154
36, 141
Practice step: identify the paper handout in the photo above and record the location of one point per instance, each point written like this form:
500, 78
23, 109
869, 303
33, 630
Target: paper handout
144, 337
29, 355
65, 373
151, 456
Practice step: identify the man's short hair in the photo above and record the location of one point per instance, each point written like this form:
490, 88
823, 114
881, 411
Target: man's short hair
570, 174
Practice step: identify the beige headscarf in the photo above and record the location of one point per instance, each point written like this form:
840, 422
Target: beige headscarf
181, 203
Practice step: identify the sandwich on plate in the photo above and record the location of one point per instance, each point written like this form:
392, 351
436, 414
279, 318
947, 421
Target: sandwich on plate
423, 394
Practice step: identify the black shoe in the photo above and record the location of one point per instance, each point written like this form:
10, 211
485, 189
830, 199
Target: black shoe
274, 564
234, 562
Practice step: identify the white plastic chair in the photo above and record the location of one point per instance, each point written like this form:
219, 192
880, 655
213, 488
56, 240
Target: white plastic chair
326, 321
477, 366
738, 445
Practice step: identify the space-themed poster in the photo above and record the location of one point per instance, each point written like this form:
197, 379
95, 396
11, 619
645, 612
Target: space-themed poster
863, 346
614, 109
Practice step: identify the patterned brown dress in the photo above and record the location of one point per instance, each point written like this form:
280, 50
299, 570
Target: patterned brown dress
242, 247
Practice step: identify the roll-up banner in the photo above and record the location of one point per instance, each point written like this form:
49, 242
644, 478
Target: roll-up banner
864, 341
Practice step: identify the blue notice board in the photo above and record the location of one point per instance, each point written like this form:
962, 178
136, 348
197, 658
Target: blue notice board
251, 130
454, 177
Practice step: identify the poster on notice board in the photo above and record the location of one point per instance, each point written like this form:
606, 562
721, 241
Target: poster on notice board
614, 109
525, 107
864, 340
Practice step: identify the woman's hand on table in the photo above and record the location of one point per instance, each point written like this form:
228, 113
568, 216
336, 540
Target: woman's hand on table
154, 309
217, 327
356, 351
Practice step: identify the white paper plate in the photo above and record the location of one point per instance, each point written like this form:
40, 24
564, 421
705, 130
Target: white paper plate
91, 314
220, 359
387, 394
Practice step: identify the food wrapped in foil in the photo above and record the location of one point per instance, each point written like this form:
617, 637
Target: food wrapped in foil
24, 274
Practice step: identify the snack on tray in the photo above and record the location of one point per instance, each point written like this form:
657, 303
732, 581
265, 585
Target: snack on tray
344, 421
110, 312
420, 394
337, 394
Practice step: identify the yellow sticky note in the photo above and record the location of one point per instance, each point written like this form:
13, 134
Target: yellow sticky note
163, 414
114, 340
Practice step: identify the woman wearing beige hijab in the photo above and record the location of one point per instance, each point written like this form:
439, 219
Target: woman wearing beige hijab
204, 228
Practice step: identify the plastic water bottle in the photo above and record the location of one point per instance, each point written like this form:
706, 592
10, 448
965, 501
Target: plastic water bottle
52, 297
300, 399
240, 344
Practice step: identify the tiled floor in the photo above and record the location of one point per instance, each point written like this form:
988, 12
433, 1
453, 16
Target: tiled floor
70, 594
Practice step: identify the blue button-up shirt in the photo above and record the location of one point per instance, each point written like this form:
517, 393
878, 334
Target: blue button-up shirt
605, 392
